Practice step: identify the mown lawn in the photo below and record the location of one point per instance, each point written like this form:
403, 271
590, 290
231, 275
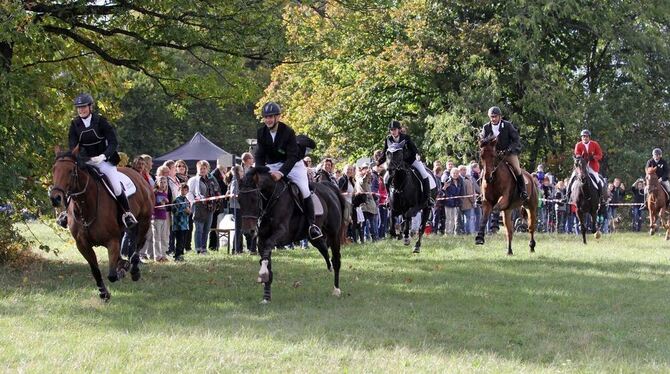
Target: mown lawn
604, 307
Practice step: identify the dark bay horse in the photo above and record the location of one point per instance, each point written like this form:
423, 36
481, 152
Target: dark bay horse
500, 193
586, 198
657, 203
405, 198
269, 210
93, 218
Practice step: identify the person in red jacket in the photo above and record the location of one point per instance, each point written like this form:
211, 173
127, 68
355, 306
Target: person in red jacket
591, 151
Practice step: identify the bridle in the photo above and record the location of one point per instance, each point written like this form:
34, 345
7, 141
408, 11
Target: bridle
265, 203
71, 195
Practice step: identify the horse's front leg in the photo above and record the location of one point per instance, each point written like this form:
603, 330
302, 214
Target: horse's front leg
407, 223
486, 212
89, 255
652, 222
116, 267
424, 218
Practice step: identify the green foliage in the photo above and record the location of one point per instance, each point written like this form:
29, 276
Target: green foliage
554, 68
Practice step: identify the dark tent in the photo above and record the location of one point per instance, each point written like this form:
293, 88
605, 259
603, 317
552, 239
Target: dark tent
198, 148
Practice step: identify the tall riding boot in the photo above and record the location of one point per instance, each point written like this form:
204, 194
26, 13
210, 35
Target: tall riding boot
569, 190
127, 218
314, 231
521, 187
426, 192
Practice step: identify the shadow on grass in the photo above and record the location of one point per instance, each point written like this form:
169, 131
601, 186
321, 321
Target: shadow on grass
534, 309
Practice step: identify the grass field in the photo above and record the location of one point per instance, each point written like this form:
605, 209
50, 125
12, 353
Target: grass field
604, 307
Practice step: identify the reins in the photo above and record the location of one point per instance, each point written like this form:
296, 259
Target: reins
73, 196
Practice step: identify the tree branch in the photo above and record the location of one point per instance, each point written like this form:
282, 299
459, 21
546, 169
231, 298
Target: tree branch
57, 60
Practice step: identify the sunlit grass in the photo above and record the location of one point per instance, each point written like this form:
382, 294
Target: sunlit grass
455, 307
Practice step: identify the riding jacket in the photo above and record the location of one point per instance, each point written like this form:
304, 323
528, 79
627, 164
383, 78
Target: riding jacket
508, 140
661, 168
590, 151
283, 149
99, 138
410, 148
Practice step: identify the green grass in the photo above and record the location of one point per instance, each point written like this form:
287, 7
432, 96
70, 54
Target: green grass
456, 307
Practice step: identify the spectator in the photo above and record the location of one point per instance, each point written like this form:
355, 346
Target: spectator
369, 207
383, 204
347, 187
161, 223
201, 187
181, 212
560, 206
638, 198
232, 180
452, 192
467, 201
438, 209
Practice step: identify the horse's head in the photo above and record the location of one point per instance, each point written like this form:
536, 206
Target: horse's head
395, 154
651, 180
65, 178
580, 164
488, 156
251, 187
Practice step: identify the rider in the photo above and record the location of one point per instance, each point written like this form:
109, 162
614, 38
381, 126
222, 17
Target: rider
508, 145
410, 157
97, 143
662, 171
278, 149
590, 150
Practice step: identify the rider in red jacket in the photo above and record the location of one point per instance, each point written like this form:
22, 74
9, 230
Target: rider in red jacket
591, 151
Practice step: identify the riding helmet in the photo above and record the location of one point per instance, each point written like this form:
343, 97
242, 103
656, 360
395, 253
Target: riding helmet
82, 100
394, 124
494, 110
270, 109
657, 152
585, 132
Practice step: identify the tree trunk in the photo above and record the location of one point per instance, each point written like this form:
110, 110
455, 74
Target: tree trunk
6, 52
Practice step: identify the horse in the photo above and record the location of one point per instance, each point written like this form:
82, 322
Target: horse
93, 218
657, 203
586, 198
405, 197
499, 193
270, 210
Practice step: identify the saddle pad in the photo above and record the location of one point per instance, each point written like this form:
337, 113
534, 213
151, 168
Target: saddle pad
318, 207
128, 185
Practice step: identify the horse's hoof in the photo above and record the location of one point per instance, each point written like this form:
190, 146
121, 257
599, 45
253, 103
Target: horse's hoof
337, 292
597, 235
479, 240
406, 241
265, 301
113, 277
135, 275
105, 296
416, 250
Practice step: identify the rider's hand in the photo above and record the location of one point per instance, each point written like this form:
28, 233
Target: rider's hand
276, 176
98, 159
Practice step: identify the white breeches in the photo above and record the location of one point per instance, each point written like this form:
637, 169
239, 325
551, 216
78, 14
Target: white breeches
297, 175
112, 175
418, 165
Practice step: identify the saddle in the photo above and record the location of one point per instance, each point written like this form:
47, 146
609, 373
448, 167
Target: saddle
297, 198
129, 187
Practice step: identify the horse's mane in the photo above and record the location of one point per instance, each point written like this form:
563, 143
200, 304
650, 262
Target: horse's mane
65, 154
248, 179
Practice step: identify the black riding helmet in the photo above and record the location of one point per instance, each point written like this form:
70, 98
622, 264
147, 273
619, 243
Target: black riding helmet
83, 99
394, 125
270, 109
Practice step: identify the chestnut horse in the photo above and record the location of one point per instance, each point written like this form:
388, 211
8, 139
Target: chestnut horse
499, 193
657, 203
94, 219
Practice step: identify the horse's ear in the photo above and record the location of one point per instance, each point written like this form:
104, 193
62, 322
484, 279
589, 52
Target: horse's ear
651, 170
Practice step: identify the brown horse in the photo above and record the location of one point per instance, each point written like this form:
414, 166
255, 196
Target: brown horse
657, 203
499, 193
94, 220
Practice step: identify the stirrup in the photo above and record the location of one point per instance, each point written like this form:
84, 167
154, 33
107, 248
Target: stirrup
129, 220
314, 232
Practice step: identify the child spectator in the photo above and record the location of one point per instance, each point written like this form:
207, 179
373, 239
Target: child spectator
161, 223
180, 215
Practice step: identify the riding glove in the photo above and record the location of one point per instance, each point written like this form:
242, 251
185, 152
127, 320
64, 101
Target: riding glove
98, 159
